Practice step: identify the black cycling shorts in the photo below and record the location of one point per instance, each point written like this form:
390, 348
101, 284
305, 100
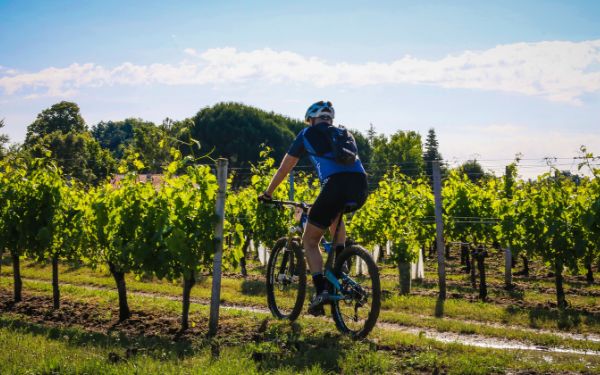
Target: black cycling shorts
340, 189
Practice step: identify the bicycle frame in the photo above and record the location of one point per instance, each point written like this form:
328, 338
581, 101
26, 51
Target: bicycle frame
327, 246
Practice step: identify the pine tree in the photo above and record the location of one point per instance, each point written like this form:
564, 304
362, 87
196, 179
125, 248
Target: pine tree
371, 134
431, 151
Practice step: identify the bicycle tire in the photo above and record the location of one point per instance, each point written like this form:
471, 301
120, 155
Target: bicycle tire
274, 284
339, 308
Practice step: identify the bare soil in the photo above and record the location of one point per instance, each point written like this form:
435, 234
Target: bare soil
38, 309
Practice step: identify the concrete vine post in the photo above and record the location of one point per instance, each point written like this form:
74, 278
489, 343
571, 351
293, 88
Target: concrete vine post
215, 297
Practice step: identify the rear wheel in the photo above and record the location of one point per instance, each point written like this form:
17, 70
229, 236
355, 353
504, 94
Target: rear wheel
286, 279
357, 313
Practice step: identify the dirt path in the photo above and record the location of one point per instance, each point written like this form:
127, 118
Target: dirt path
482, 341
445, 337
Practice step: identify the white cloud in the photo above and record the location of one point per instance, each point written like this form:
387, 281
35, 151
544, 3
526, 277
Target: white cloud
556, 70
190, 52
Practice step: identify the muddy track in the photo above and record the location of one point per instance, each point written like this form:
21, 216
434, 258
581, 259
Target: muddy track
445, 337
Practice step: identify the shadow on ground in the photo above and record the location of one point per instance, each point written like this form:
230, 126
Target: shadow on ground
273, 346
124, 346
566, 319
254, 288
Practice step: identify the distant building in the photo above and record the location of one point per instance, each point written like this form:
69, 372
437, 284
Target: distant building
155, 179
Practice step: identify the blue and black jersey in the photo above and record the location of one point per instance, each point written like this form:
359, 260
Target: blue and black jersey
314, 142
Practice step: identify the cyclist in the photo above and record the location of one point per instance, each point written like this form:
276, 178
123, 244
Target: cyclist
341, 184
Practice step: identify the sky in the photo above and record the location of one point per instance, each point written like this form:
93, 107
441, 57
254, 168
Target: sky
494, 79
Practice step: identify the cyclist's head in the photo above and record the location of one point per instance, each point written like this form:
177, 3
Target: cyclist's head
320, 111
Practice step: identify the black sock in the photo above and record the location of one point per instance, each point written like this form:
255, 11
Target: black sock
319, 281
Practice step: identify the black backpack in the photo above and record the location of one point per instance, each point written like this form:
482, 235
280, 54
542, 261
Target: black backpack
342, 143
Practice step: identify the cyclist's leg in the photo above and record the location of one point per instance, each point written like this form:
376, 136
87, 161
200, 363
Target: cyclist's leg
322, 213
320, 217
311, 237
355, 191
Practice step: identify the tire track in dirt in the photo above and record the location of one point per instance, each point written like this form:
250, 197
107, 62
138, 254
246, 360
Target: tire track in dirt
476, 340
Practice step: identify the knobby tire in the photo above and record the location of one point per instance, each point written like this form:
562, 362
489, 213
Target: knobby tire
339, 317
273, 268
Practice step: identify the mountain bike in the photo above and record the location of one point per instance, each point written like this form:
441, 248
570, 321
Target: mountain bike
352, 275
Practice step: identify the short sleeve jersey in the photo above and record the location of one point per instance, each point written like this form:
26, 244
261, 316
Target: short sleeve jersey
314, 142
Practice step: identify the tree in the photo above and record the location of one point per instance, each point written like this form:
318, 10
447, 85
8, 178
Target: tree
133, 136
371, 134
114, 136
431, 151
61, 130
402, 149
237, 132
63, 117
473, 170
78, 154
365, 152
150, 143
3, 140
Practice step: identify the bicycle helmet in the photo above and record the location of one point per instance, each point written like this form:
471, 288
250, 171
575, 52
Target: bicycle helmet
320, 109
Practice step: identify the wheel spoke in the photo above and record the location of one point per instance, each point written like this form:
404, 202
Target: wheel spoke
285, 284
357, 312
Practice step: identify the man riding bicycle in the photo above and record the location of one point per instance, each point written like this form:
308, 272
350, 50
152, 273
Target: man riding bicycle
343, 187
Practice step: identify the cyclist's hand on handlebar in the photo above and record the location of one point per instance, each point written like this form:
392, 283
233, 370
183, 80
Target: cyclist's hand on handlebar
264, 197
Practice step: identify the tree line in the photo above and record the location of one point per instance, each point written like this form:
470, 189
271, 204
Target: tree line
231, 130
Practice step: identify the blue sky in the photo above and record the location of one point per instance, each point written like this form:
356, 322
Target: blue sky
493, 79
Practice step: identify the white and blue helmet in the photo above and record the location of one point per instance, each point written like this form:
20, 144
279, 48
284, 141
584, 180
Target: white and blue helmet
320, 109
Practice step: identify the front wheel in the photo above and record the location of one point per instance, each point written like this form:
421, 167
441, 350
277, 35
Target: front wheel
357, 311
286, 279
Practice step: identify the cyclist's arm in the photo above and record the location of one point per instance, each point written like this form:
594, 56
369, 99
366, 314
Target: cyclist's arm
287, 164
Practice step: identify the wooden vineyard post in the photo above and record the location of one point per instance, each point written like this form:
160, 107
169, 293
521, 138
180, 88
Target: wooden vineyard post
507, 251
215, 297
439, 227
507, 268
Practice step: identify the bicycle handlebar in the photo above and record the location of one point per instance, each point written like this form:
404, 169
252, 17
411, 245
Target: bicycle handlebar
302, 205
